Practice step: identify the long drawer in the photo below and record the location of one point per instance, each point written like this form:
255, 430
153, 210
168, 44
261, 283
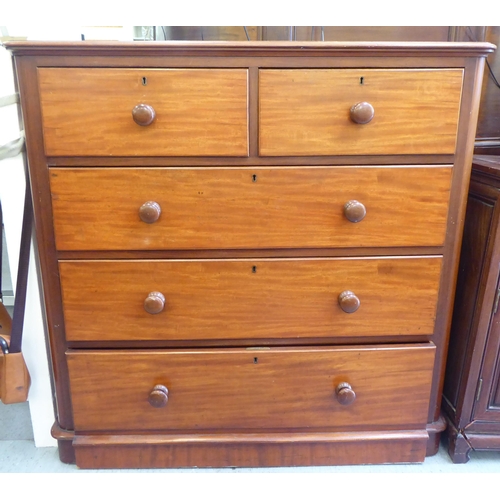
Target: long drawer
238, 208
249, 299
280, 388
358, 111
179, 112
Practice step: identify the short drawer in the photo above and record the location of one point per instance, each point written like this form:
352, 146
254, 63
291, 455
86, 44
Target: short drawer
193, 112
249, 299
308, 111
249, 208
279, 388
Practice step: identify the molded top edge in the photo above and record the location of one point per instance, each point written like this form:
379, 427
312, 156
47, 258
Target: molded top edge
112, 48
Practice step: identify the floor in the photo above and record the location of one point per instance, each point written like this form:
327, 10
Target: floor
18, 454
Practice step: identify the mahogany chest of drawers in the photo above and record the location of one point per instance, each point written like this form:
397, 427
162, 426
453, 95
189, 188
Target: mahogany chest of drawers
248, 250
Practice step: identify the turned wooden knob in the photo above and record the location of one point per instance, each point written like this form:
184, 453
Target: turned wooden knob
348, 301
150, 212
345, 394
154, 303
362, 112
354, 211
143, 114
158, 397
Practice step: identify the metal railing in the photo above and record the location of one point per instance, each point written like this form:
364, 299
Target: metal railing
10, 150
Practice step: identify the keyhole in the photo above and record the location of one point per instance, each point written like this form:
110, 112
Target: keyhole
255, 361
144, 80
254, 269
254, 178
361, 80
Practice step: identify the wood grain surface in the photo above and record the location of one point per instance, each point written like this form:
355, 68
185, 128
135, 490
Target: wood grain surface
257, 242
235, 208
266, 449
369, 50
306, 111
471, 286
280, 388
245, 299
199, 112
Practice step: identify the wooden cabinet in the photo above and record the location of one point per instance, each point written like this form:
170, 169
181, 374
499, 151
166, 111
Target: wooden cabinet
194, 112
319, 108
472, 385
248, 249
299, 298
264, 208
242, 389
488, 126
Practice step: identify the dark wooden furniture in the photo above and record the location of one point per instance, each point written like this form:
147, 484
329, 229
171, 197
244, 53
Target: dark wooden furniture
488, 127
249, 250
322, 33
472, 385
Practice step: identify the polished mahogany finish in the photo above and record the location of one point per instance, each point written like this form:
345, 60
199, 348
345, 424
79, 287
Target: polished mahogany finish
306, 112
252, 157
251, 389
143, 114
249, 208
299, 298
247, 449
362, 113
199, 111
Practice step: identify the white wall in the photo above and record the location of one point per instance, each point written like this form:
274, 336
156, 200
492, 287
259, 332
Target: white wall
12, 186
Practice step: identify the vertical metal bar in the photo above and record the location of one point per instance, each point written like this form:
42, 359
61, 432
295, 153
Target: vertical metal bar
25, 246
22, 273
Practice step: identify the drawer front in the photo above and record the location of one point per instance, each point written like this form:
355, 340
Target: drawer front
238, 208
307, 111
249, 299
251, 389
198, 112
